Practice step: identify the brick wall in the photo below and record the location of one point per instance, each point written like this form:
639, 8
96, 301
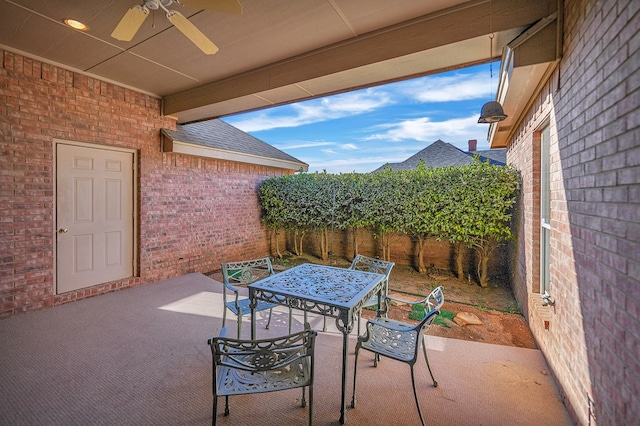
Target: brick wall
193, 212
592, 103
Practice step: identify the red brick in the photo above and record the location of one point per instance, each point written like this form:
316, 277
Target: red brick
594, 269
183, 200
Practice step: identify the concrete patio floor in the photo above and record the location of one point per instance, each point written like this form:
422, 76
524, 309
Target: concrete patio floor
139, 356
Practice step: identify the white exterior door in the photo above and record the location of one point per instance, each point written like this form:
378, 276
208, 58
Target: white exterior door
94, 205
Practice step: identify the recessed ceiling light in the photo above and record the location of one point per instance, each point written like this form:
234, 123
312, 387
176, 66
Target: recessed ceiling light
76, 25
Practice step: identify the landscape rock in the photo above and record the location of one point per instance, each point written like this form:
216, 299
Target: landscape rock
467, 318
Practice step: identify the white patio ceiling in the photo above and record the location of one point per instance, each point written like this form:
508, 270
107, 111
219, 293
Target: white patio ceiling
276, 52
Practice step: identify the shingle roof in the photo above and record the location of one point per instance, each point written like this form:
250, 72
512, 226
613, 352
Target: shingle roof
223, 137
441, 154
495, 156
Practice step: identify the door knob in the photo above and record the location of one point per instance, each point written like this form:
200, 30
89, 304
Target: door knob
63, 230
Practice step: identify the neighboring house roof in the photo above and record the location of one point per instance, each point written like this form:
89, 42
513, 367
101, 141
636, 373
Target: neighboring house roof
441, 154
495, 156
217, 139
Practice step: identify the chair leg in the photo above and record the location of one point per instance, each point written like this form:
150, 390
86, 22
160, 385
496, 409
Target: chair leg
311, 405
269, 320
304, 399
415, 394
239, 325
424, 350
226, 405
324, 324
224, 316
290, 319
355, 374
214, 413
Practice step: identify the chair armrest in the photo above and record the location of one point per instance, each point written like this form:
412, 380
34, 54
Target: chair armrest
402, 326
384, 306
408, 302
231, 287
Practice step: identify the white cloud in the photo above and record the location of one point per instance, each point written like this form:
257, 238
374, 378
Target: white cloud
349, 147
334, 148
425, 130
449, 88
400, 107
348, 165
314, 111
302, 144
371, 157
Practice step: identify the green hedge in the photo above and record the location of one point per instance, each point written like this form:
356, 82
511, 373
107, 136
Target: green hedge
466, 205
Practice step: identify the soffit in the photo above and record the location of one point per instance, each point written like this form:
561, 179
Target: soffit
527, 63
277, 51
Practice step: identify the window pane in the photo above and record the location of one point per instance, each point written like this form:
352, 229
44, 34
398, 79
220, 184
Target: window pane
545, 210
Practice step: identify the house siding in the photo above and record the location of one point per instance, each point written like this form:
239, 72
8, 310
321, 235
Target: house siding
591, 337
193, 212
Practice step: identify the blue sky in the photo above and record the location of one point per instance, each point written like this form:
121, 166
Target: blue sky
361, 130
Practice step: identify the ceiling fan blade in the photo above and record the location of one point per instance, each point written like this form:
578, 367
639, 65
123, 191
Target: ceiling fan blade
192, 33
130, 23
226, 6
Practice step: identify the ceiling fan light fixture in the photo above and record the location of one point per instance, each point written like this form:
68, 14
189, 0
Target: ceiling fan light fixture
135, 16
76, 25
130, 23
191, 32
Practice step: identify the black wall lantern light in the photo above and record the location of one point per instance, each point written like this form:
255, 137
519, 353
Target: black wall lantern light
492, 111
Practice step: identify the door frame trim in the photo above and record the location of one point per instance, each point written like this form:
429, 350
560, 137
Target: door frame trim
134, 177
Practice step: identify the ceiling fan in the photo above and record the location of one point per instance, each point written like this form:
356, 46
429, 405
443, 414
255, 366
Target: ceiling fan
135, 16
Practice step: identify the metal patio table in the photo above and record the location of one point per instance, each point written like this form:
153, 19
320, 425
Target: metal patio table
339, 293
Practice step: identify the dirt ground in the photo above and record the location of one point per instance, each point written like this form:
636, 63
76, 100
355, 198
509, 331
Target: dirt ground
495, 305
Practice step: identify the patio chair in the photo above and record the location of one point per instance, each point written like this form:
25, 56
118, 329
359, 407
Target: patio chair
370, 264
267, 365
241, 274
400, 341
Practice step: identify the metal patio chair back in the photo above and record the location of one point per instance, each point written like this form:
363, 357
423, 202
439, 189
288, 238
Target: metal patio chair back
370, 264
236, 275
266, 365
399, 340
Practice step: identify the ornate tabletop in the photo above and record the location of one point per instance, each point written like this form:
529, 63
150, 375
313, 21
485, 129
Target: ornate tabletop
340, 286
327, 290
